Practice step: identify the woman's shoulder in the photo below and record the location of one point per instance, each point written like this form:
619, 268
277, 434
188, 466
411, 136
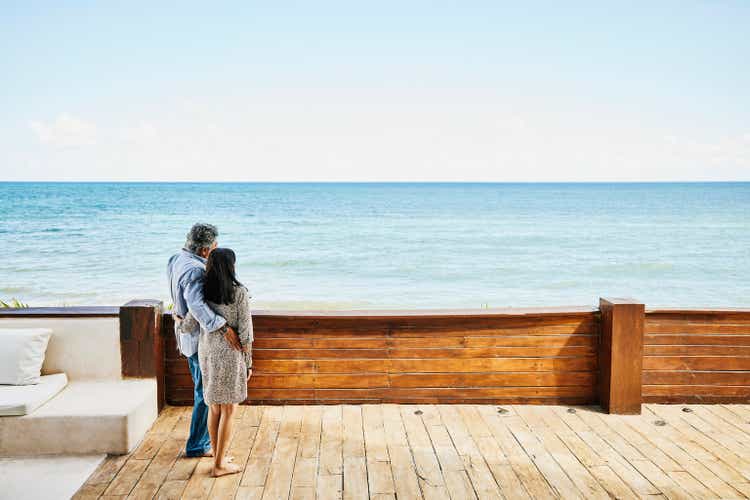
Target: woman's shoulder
241, 293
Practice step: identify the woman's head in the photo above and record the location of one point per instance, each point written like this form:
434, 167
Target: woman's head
220, 277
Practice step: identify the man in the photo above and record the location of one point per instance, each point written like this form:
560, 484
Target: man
185, 272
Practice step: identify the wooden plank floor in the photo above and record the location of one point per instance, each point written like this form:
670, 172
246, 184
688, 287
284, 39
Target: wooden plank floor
446, 452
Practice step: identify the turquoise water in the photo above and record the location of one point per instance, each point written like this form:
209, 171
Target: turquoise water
386, 245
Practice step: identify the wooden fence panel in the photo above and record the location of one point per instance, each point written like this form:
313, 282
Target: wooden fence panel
696, 357
538, 357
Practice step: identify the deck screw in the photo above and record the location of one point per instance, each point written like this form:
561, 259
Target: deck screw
502, 410
660, 423
687, 410
571, 410
418, 412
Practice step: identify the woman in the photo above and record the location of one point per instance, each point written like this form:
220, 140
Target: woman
225, 370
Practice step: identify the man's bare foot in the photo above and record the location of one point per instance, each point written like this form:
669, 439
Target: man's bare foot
226, 469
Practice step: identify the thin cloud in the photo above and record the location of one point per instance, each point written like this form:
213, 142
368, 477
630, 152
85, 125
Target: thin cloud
66, 131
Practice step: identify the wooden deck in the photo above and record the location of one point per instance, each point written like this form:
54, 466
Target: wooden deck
447, 451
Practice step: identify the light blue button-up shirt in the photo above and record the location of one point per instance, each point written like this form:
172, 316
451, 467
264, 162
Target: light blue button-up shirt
185, 272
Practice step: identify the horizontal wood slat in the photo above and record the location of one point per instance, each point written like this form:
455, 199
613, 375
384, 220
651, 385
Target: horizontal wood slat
694, 390
718, 363
360, 381
491, 352
694, 377
687, 327
696, 339
699, 315
695, 399
381, 342
696, 350
579, 327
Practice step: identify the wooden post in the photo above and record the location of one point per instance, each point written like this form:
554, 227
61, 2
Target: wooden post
142, 343
621, 355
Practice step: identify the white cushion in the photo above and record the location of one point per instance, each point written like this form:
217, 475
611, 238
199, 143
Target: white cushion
22, 354
23, 399
86, 417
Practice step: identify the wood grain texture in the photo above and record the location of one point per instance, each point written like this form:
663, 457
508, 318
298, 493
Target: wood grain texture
621, 355
428, 356
697, 356
533, 356
444, 451
142, 343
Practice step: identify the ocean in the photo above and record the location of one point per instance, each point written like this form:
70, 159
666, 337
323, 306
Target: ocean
385, 245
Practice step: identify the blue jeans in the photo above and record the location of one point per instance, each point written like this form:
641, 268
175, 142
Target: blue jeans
199, 441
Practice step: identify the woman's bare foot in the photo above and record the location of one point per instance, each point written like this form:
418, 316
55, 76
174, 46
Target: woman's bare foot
226, 469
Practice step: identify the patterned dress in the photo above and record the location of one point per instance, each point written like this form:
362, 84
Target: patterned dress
224, 369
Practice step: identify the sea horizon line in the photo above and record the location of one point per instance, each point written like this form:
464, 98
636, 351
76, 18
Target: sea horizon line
172, 182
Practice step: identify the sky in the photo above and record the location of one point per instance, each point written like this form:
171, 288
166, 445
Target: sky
375, 91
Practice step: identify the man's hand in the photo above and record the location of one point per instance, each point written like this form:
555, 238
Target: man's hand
233, 339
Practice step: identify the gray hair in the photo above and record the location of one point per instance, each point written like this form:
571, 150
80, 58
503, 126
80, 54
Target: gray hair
201, 236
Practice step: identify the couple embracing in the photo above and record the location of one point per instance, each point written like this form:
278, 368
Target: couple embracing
214, 330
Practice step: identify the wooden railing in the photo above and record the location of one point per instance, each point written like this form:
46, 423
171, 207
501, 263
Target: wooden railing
527, 356
618, 355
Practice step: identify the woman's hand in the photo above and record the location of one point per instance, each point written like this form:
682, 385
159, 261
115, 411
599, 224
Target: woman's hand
233, 339
249, 372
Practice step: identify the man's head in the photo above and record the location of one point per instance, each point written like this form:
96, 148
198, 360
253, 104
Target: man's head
202, 239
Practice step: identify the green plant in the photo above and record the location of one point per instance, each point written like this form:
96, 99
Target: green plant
13, 303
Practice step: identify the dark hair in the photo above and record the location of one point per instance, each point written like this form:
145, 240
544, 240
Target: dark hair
218, 286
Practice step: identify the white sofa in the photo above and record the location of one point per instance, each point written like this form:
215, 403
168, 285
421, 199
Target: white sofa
97, 411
